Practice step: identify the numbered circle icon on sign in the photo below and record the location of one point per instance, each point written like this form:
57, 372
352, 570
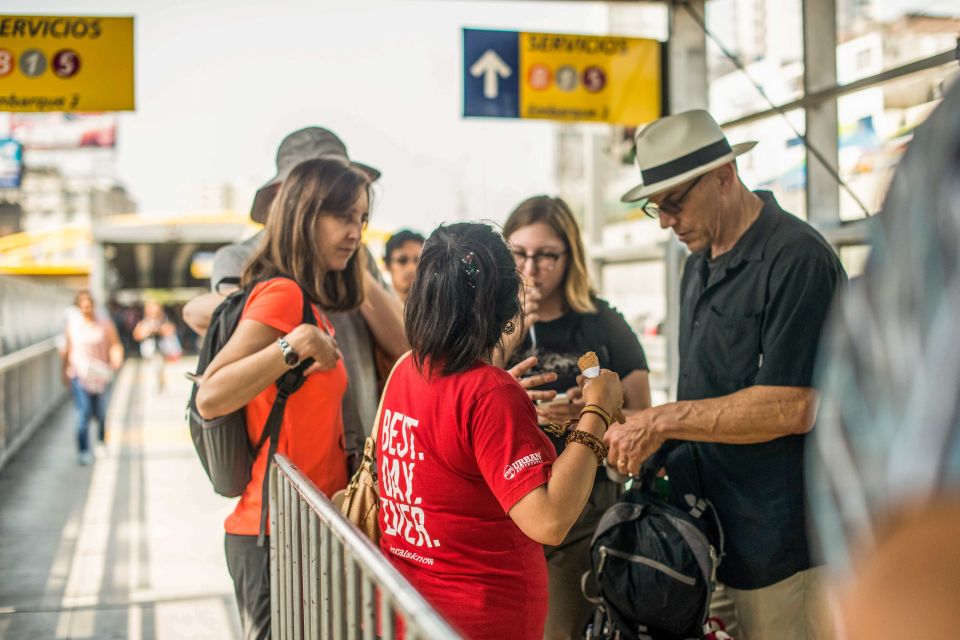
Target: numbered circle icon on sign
566, 78
66, 63
594, 79
7, 61
539, 77
33, 63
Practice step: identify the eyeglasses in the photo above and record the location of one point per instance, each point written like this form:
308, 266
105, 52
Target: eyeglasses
542, 260
404, 260
669, 206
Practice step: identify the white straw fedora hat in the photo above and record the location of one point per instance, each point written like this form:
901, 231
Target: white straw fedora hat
678, 148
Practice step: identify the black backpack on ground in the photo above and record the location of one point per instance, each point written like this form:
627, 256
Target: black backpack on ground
654, 564
222, 443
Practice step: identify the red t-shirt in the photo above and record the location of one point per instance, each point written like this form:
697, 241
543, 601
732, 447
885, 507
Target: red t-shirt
455, 454
311, 435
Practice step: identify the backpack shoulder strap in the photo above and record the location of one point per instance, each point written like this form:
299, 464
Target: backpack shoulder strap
289, 383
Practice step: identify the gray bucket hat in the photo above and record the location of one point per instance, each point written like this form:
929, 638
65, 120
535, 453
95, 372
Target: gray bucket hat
303, 144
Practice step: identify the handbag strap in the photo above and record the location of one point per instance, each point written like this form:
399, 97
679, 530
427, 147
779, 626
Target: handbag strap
372, 438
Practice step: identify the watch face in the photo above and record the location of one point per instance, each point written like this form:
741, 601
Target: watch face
291, 358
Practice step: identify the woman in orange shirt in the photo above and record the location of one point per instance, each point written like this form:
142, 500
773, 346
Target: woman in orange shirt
310, 248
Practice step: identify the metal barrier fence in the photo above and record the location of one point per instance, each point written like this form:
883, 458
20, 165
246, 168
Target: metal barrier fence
31, 315
327, 579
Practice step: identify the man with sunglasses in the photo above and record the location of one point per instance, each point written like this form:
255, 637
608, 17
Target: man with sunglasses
401, 257
754, 297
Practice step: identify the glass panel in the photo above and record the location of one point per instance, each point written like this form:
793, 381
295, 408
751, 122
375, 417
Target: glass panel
874, 35
876, 125
778, 162
854, 259
767, 38
637, 291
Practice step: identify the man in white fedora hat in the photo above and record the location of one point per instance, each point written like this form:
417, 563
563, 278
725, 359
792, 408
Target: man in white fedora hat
755, 293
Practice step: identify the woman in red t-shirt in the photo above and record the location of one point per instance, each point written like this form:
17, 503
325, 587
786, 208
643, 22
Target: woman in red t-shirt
470, 487
311, 239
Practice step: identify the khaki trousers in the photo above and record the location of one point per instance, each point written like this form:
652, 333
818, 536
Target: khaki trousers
793, 609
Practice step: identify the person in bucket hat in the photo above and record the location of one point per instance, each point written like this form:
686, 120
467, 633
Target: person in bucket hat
755, 294
303, 144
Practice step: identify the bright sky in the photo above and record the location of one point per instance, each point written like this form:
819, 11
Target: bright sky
220, 82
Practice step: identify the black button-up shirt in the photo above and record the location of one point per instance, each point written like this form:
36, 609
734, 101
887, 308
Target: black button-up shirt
755, 318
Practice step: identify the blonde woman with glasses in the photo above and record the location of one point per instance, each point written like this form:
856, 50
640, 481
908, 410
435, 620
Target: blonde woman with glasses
563, 319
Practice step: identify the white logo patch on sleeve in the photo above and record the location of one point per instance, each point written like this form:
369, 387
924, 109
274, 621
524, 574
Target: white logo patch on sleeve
531, 460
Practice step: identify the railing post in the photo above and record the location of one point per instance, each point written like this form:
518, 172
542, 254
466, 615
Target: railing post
274, 556
353, 599
296, 574
336, 569
369, 618
326, 583
314, 578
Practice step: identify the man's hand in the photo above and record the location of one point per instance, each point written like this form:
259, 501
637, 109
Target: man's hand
629, 444
528, 383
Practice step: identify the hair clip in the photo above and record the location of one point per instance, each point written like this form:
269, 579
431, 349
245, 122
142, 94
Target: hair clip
470, 269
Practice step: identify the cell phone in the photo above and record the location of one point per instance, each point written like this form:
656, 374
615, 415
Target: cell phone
560, 399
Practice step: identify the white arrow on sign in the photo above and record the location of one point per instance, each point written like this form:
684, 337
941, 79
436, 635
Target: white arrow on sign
491, 67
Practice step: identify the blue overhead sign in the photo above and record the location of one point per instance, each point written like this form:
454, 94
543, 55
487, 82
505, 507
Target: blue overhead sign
563, 77
491, 72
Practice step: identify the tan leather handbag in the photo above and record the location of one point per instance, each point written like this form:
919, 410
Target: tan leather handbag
360, 501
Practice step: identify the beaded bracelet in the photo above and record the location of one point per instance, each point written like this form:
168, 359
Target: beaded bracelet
589, 440
600, 411
558, 430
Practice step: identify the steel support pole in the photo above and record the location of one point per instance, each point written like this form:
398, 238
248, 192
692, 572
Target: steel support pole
820, 72
688, 89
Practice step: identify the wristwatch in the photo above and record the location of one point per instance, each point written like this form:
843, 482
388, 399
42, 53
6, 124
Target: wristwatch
290, 357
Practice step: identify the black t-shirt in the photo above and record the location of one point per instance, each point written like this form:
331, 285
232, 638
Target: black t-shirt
561, 342
756, 320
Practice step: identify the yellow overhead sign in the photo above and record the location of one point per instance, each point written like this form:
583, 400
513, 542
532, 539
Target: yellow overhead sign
593, 78
552, 76
66, 63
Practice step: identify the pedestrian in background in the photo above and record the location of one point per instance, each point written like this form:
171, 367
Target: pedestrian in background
401, 256
92, 353
158, 340
754, 297
564, 318
310, 248
465, 522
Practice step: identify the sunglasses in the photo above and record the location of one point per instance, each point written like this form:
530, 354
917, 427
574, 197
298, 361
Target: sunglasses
669, 206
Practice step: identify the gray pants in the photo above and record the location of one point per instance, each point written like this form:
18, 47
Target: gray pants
568, 610
249, 566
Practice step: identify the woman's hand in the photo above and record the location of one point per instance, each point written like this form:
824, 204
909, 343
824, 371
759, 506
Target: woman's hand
309, 341
605, 391
521, 368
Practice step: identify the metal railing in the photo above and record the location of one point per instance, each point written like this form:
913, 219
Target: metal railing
327, 579
31, 315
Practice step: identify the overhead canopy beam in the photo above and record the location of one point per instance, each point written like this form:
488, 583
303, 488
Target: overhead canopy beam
836, 91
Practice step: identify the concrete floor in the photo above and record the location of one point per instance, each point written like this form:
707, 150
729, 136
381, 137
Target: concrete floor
130, 547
